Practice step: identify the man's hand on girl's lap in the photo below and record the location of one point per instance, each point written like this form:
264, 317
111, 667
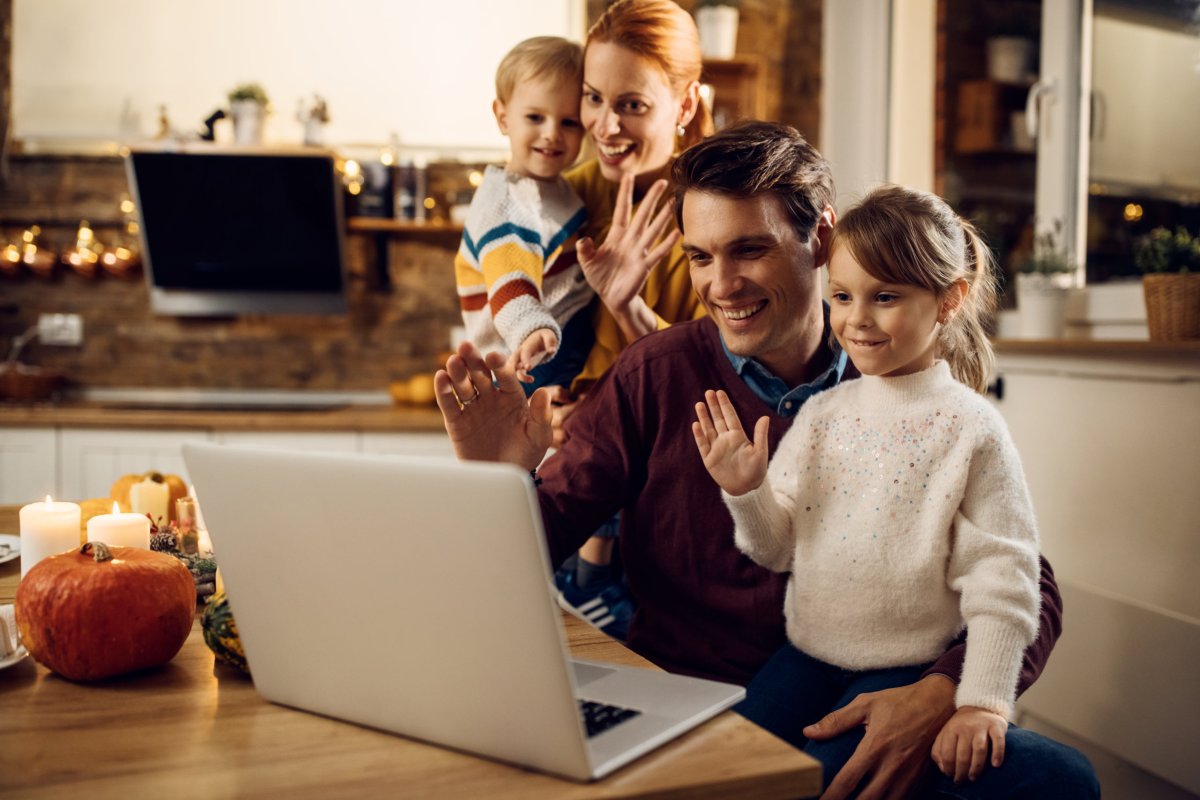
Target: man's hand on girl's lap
901, 725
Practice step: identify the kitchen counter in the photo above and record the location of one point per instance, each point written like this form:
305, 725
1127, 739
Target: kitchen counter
349, 417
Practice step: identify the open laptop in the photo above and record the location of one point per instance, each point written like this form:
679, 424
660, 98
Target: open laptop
413, 595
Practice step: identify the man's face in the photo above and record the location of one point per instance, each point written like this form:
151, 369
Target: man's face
757, 278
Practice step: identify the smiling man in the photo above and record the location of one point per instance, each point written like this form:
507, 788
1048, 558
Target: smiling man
755, 206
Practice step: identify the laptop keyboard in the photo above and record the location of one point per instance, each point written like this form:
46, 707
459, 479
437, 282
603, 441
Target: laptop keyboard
599, 717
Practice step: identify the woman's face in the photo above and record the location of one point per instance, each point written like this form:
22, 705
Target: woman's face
631, 112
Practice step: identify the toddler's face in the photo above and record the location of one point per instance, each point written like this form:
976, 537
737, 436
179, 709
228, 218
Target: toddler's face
541, 121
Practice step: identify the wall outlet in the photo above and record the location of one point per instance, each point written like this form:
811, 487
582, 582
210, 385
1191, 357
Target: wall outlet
60, 329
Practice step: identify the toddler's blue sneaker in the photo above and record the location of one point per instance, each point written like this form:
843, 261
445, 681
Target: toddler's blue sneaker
609, 608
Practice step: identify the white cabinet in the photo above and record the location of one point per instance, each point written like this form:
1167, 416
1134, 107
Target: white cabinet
1110, 449
408, 444
28, 459
324, 441
91, 459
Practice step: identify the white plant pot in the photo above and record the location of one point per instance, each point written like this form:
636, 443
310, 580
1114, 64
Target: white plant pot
1042, 305
1010, 58
248, 120
718, 27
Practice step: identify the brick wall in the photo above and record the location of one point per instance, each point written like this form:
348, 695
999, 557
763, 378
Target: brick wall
389, 332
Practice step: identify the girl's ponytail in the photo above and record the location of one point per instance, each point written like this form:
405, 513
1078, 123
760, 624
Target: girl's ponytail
964, 341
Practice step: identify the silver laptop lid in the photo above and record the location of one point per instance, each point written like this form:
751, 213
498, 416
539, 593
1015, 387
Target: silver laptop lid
360, 588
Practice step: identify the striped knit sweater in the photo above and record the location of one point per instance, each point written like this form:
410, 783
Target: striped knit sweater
516, 268
900, 509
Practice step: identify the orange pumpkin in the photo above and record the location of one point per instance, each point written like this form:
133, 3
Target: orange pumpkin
97, 611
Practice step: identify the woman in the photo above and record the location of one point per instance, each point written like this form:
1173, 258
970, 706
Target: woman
641, 106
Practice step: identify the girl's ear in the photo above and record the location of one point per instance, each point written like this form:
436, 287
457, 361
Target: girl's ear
689, 104
953, 300
501, 115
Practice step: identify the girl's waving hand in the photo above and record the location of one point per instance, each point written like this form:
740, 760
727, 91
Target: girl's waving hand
735, 463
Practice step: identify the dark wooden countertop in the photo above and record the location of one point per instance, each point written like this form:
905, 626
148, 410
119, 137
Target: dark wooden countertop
1100, 348
376, 418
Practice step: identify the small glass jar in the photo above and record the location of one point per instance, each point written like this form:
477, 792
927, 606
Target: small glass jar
185, 524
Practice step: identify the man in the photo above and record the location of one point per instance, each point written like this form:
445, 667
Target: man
755, 206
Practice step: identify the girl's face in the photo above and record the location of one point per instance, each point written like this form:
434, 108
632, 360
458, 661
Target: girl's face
631, 112
887, 329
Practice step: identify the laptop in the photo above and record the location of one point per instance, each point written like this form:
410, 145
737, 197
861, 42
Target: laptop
413, 595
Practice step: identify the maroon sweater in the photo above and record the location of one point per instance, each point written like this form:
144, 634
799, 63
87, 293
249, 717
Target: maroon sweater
703, 608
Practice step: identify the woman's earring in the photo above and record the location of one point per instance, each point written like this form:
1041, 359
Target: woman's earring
680, 131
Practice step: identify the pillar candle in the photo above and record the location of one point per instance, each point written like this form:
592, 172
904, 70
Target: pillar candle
46, 529
120, 530
150, 497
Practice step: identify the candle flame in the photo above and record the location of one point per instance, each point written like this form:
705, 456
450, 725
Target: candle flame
49, 503
116, 507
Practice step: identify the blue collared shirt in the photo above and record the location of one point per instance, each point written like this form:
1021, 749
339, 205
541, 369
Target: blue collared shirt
773, 391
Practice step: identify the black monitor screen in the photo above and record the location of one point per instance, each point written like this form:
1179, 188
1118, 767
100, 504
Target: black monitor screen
228, 233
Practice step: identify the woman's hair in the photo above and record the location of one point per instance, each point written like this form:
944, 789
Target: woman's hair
754, 158
907, 236
541, 56
664, 34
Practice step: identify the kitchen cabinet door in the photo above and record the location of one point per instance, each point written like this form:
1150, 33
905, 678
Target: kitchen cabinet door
1109, 451
27, 465
90, 460
408, 444
321, 441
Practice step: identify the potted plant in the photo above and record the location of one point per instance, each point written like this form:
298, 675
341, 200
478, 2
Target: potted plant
1171, 283
717, 24
1043, 281
248, 106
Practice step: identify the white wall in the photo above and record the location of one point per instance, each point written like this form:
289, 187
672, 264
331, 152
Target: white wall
854, 97
88, 70
911, 110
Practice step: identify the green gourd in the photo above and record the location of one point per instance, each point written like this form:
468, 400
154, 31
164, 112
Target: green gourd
221, 633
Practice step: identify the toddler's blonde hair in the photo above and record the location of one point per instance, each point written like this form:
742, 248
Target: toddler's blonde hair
541, 56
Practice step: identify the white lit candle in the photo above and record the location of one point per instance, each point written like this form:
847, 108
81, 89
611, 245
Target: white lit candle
204, 542
47, 529
120, 530
150, 497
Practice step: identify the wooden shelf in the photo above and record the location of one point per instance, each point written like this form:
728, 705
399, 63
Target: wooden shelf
738, 88
399, 226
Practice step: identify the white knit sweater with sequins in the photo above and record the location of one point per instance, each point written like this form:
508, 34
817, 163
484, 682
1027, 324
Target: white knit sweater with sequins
900, 507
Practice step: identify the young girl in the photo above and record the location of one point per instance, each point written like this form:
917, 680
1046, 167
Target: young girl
897, 501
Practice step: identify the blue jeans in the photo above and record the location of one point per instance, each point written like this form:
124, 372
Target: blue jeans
794, 689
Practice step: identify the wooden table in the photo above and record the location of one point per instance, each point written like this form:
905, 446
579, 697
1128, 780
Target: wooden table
197, 729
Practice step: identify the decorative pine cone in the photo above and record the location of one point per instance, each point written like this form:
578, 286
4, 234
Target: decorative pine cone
163, 542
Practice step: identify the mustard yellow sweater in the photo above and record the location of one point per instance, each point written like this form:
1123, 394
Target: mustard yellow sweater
668, 289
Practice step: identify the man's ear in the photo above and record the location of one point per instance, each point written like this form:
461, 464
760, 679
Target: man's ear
690, 103
501, 115
823, 235
953, 299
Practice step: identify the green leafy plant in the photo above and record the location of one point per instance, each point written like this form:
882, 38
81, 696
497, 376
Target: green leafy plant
249, 91
1049, 256
1163, 251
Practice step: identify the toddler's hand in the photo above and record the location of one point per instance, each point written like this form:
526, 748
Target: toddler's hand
960, 750
538, 347
735, 463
